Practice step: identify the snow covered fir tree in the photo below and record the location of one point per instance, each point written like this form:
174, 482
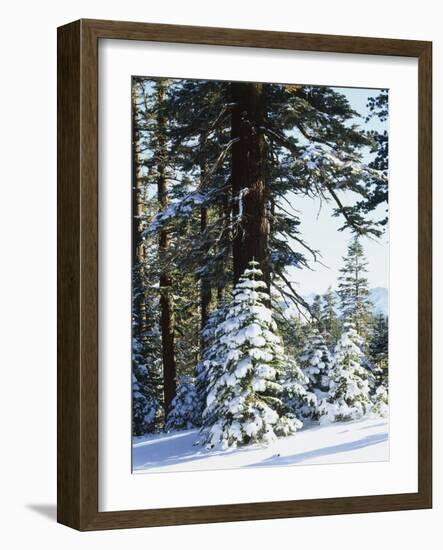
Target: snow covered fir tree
147, 381
316, 363
244, 390
350, 382
259, 309
316, 360
378, 348
185, 410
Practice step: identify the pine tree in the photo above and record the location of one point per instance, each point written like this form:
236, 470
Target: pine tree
329, 319
316, 311
291, 328
187, 323
209, 359
146, 408
147, 384
299, 400
377, 192
380, 401
260, 142
248, 178
200, 146
378, 349
315, 361
379, 360
244, 400
349, 393
167, 323
354, 291
224, 158
185, 409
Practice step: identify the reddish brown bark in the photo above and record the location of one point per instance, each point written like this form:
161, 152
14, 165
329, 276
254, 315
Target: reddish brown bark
166, 302
251, 235
136, 180
205, 284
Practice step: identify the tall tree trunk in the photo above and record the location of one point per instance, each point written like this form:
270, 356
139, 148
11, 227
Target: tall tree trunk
138, 249
224, 225
250, 240
136, 179
166, 303
205, 284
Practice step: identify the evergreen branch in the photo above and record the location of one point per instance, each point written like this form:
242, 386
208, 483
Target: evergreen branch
217, 163
225, 109
284, 293
295, 296
342, 208
315, 253
285, 142
280, 139
310, 138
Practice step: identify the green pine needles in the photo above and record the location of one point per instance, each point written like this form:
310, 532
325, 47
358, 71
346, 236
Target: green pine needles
244, 390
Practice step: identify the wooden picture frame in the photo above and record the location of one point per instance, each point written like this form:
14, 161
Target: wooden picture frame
78, 274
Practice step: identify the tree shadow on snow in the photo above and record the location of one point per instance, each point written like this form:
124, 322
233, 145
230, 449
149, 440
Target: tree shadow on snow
381, 425
167, 450
325, 451
177, 448
172, 449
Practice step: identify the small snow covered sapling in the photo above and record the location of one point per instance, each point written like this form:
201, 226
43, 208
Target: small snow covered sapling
244, 391
147, 384
305, 386
302, 403
350, 384
315, 361
378, 349
145, 408
380, 401
185, 411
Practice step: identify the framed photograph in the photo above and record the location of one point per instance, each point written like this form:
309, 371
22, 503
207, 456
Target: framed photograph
244, 275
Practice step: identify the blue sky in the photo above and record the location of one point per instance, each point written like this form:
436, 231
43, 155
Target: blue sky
320, 228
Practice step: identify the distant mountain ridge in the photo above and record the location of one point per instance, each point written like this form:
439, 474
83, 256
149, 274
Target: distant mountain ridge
379, 297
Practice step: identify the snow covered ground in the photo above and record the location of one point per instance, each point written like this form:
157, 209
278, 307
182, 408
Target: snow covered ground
361, 441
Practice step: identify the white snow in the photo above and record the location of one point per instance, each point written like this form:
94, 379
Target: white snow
253, 330
342, 442
243, 367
